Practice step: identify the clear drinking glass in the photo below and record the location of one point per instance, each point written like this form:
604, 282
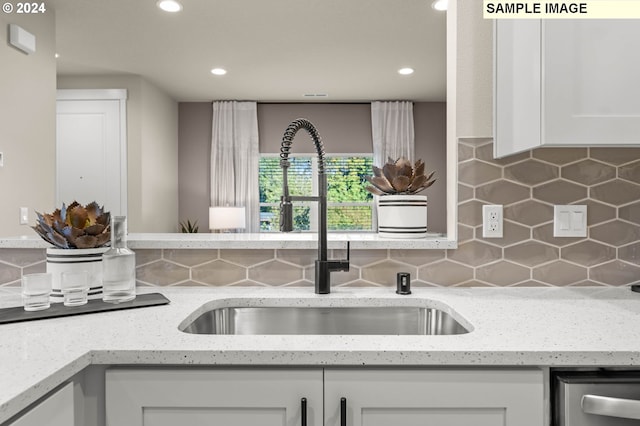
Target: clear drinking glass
75, 287
36, 289
118, 265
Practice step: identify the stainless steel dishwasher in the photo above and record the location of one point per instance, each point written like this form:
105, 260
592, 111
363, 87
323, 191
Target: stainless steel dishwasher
596, 398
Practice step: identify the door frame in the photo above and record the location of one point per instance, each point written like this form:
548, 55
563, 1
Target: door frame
104, 95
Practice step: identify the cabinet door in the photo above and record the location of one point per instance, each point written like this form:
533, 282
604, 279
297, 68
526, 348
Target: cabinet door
591, 92
435, 397
198, 397
55, 410
516, 77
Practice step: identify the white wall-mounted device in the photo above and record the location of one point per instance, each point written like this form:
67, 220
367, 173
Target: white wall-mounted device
22, 39
492, 221
24, 215
570, 221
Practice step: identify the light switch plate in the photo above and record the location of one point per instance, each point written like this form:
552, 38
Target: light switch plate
570, 221
24, 215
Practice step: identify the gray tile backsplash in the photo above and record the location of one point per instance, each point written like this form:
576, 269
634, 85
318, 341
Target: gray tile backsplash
607, 180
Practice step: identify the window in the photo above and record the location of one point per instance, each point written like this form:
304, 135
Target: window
349, 205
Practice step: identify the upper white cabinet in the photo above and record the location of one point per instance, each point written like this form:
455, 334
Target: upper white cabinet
566, 83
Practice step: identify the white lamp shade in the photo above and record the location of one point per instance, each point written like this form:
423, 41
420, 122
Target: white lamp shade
227, 218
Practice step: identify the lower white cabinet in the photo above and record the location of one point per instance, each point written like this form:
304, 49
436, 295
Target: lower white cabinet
383, 397
199, 397
56, 409
333, 396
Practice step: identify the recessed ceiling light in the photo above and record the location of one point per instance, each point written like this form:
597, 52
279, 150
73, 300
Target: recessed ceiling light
57, 55
440, 5
218, 71
169, 5
405, 71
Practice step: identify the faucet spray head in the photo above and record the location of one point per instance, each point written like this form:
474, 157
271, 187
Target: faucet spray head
286, 214
286, 206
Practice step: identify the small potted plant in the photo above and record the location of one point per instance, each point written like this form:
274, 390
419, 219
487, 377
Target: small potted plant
401, 212
188, 227
79, 234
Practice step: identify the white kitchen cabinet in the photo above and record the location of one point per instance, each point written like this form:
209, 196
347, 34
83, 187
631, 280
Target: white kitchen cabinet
372, 397
382, 397
56, 409
566, 83
199, 397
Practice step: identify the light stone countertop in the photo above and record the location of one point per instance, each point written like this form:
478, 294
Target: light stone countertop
293, 240
511, 327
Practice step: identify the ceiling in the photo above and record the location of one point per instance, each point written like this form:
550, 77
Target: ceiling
273, 50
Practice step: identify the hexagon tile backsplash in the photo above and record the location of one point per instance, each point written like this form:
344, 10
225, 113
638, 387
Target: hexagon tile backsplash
607, 180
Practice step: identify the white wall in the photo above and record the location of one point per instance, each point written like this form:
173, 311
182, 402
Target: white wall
152, 129
159, 164
27, 123
474, 69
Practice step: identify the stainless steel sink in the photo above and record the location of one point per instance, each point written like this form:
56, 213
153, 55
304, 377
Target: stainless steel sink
380, 320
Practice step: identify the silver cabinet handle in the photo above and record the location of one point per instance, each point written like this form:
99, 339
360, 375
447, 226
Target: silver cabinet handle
613, 407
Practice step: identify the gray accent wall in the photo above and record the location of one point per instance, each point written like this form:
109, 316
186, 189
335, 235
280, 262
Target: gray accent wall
194, 156
344, 128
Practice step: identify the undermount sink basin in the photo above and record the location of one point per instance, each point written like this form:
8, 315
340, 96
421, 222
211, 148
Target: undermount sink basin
378, 320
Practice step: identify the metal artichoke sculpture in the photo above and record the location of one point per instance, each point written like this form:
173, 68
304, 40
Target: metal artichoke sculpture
399, 177
75, 226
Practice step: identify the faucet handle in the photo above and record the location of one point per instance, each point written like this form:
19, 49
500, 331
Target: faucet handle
343, 265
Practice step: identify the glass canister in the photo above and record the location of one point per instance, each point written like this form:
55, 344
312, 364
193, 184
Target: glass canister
118, 265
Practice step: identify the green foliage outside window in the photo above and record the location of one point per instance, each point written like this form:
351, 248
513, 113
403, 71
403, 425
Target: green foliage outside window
349, 204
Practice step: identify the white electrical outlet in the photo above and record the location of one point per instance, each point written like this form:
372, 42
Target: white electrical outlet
492, 221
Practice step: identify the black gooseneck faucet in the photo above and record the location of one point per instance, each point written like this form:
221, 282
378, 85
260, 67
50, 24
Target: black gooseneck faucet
324, 267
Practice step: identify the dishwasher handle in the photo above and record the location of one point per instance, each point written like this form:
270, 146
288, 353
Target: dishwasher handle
612, 407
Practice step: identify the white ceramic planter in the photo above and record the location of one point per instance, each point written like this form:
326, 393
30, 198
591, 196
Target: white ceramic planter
90, 260
402, 216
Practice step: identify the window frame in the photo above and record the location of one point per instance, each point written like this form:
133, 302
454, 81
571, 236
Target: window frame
313, 206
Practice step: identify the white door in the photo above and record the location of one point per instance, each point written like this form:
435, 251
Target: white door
91, 148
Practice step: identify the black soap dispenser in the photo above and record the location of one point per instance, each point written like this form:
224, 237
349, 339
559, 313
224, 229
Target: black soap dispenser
403, 283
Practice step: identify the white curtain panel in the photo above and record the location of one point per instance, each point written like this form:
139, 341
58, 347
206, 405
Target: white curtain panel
392, 131
234, 158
